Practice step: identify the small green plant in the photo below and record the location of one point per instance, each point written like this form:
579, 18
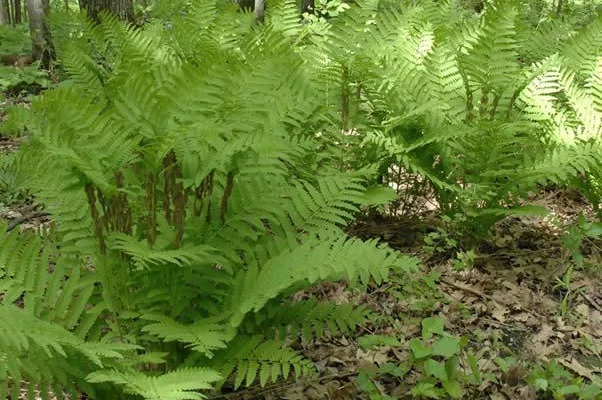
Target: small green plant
15, 80
553, 380
441, 240
563, 284
445, 240
419, 294
14, 39
572, 240
576, 234
10, 190
435, 356
464, 260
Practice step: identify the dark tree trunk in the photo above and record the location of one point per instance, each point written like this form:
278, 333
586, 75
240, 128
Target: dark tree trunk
123, 9
4, 12
17, 11
41, 39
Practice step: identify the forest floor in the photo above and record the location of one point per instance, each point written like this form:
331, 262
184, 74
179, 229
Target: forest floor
517, 305
515, 302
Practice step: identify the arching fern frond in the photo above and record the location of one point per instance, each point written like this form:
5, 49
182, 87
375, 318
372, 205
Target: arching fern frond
255, 357
181, 384
310, 317
321, 258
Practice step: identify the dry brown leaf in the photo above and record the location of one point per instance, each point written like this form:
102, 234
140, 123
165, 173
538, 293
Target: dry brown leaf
545, 333
499, 312
578, 368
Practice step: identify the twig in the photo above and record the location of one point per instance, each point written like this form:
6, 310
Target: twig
18, 221
590, 301
468, 289
481, 295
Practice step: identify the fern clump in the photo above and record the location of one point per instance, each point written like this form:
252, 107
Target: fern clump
187, 172
471, 103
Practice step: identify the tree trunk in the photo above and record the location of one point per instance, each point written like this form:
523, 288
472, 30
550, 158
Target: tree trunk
66, 5
17, 11
124, 9
4, 13
259, 10
41, 40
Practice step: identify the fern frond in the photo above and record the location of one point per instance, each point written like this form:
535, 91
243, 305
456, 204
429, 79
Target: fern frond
203, 336
492, 62
582, 49
325, 257
181, 384
310, 317
255, 357
143, 256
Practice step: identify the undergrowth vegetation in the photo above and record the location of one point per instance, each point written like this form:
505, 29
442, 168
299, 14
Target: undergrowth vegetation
201, 173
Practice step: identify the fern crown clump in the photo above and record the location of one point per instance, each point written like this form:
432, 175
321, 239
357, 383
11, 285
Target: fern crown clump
202, 207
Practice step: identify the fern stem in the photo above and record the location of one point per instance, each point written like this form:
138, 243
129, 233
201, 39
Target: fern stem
151, 206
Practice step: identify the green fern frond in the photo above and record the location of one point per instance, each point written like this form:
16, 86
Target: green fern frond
255, 357
45, 352
328, 206
310, 317
203, 336
492, 62
548, 39
145, 257
323, 258
564, 164
181, 384
582, 49
593, 85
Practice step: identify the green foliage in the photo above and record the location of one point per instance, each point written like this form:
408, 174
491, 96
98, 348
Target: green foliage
553, 380
472, 104
435, 356
15, 80
9, 189
310, 318
14, 39
201, 171
200, 201
48, 332
442, 367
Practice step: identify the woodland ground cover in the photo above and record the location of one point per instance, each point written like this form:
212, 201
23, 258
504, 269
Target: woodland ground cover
382, 201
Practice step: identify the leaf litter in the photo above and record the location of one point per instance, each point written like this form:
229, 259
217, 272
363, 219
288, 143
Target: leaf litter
506, 306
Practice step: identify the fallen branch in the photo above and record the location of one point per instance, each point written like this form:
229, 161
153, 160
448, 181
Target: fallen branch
18, 221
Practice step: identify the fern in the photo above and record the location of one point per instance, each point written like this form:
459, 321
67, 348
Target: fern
48, 334
309, 317
205, 172
181, 384
199, 199
266, 360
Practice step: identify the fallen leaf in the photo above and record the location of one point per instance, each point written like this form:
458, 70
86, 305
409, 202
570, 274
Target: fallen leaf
578, 368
